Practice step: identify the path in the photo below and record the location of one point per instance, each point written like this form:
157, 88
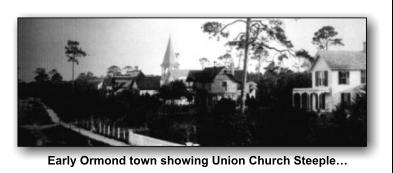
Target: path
82, 131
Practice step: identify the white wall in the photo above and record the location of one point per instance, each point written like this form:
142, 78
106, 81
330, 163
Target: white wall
216, 86
337, 89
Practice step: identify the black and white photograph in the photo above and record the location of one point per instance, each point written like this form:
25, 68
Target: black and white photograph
192, 81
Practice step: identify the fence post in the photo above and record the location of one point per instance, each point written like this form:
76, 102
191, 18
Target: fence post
129, 135
100, 127
124, 134
113, 131
109, 130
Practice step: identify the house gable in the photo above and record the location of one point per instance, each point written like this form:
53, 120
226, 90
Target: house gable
320, 65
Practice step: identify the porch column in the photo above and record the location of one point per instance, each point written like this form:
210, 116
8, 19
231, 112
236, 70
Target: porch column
308, 102
301, 102
317, 101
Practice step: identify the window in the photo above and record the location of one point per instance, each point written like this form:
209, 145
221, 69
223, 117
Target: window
325, 78
346, 98
363, 76
224, 85
321, 78
317, 78
343, 77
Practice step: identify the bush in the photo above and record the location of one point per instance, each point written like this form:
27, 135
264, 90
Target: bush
224, 126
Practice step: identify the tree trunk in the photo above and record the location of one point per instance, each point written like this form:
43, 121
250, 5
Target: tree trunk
73, 81
72, 71
326, 45
243, 92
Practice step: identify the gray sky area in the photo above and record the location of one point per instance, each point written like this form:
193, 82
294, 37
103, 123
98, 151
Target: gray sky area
142, 42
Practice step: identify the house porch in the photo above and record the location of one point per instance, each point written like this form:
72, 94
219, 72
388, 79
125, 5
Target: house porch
312, 99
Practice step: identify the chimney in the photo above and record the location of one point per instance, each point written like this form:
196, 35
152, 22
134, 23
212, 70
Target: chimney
232, 68
364, 47
136, 68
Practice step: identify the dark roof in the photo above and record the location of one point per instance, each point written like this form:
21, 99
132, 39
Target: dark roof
206, 75
344, 60
130, 75
149, 83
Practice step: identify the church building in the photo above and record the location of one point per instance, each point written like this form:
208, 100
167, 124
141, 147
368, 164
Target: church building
170, 70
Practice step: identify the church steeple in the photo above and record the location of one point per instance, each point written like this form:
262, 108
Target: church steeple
169, 63
169, 56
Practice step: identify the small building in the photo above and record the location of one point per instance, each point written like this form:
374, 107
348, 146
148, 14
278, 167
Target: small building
337, 77
134, 81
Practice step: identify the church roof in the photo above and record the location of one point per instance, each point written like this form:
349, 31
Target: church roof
170, 56
344, 60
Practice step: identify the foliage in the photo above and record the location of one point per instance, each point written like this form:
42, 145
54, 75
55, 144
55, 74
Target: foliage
41, 75
280, 126
113, 70
174, 90
259, 35
204, 62
86, 76
31, 111
73, 51
350, 123
325, 37
224, 126
275, 87
226, 59
259, 56
55, 76
262, 34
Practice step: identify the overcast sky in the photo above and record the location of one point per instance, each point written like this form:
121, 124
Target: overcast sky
142, 42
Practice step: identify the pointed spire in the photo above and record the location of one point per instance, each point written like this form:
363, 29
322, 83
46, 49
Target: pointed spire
170, 56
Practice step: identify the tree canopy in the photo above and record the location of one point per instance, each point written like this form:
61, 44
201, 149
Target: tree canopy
55, 76
204, 62
325, 37
174, 90
73, 51
113, 70
41, 75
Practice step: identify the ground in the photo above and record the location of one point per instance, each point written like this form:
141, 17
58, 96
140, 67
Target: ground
36, 129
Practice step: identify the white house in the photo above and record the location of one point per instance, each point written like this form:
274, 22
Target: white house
336, 78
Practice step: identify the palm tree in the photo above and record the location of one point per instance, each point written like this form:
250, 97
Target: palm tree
73, 52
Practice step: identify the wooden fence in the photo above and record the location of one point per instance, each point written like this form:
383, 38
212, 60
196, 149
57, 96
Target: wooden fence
121, 133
